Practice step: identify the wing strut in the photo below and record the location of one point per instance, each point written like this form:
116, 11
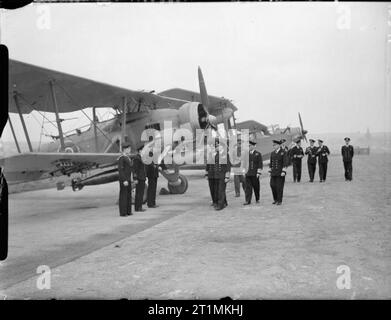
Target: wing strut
22, 120
123, 128
94, 119
55, 107
13, 134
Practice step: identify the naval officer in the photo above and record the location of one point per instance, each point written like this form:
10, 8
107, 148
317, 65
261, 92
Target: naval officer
255, 166
278, 164
125, 188
218, 172
152, 172
347, 152
322, 153
296, 154
139, 176
310, 151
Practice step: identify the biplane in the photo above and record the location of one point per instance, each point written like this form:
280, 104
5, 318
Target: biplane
97, 149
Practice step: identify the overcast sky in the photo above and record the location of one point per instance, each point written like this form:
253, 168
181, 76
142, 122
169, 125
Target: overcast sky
325, 60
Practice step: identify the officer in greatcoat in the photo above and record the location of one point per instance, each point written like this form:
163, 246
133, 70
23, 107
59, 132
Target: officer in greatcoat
296, 154
218, 173
310, 151
322, 153
255, 166
347, 152
278, 164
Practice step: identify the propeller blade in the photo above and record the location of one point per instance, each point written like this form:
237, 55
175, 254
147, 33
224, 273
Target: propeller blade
303, 132
203, 92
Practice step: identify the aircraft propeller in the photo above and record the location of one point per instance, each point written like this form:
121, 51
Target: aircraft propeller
303, 132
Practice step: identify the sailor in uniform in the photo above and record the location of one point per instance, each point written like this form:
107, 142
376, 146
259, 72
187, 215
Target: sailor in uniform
125, 187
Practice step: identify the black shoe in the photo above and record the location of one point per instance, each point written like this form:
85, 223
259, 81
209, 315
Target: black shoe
257, 201
278, 203
246, 203
311, 181
219, 208
154, 206
275, 202
140, 210
129, 214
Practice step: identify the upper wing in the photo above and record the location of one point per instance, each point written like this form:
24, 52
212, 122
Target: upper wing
38, 165
73, 93
252, 126
216, 103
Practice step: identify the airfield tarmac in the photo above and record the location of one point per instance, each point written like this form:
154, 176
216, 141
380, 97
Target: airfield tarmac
186, 250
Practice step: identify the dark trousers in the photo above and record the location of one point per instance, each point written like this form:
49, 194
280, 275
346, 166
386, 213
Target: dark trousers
4, 221
151, 192
311, 170
322, 171
217, 189
239, 180
348, 170
277, 186
125, 199
138, 203
296, 170
252, 183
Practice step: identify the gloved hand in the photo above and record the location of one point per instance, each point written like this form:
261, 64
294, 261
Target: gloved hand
125, 183
283, 174
135, 181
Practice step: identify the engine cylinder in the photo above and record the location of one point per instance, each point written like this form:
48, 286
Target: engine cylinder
193, 113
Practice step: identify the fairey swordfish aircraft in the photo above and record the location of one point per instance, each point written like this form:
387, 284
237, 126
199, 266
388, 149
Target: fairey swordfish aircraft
90, 156
97, 149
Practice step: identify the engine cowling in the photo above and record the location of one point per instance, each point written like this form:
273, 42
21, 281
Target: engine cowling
195, 114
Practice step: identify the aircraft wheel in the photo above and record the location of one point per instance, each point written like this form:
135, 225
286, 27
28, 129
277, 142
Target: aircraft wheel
181, 187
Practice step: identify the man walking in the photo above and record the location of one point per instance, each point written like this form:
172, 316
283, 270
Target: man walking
322, 153
278, 162
255, 166
296, 154
125, 188
311, 159
347, 152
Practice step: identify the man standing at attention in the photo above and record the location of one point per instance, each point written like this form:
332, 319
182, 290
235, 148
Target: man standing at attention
297, 154
125, 188
139, 176
278, 162
347, 152
255, 166
311, 159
